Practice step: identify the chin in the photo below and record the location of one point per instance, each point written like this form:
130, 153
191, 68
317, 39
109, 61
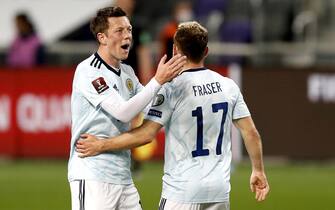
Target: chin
124, 57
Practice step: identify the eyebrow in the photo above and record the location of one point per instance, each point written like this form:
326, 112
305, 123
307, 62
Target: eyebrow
121, 27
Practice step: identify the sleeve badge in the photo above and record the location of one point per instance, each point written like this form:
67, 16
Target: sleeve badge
158, 100
100, 85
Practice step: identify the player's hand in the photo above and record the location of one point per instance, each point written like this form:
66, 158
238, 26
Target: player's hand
169, 70
89, 145
259, 185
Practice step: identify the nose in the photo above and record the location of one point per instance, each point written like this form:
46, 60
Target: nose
127, 34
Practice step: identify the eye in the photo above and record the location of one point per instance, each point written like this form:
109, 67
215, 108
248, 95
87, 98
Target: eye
118, 30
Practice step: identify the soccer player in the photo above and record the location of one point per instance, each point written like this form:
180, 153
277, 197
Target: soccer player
106, 95
197, 110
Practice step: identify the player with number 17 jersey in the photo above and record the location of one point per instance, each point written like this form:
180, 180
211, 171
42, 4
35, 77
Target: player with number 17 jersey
197, 109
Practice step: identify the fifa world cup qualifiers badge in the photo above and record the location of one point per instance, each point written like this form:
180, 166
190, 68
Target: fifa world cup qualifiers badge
100, 85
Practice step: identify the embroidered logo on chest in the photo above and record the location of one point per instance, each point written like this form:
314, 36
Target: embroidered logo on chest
130, 85
115, 87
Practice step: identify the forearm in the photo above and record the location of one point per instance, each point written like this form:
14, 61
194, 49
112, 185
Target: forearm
127, 140
252, 141
253, 144
137, 137
127, 110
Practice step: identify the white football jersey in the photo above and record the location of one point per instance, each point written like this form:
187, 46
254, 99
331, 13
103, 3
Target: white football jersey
197, 109
94, 81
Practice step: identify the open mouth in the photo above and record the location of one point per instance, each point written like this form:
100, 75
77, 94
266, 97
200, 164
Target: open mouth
125, 46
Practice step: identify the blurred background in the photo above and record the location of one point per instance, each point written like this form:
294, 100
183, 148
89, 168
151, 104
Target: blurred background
280, 52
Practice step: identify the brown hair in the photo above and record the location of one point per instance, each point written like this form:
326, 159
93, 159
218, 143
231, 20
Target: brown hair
192, 39
99, 24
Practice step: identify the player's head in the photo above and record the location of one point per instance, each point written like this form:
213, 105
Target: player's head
191, 39
112, 29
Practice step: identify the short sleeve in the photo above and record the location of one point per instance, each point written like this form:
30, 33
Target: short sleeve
240, 108
160, 110
93, 86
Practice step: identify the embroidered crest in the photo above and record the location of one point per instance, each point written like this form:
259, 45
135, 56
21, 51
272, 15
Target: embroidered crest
130, 85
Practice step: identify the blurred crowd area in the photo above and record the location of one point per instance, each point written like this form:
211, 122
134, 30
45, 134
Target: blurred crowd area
295, 33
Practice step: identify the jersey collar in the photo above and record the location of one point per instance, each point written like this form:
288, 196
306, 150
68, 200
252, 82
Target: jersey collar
194, 70
112, 69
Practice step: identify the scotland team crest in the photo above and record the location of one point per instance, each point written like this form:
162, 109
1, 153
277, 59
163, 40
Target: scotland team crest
130, 85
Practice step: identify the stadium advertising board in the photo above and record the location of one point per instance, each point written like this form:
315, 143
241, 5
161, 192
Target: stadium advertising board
294, 110
35, 115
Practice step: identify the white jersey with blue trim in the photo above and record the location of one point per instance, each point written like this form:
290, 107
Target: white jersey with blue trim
94, 81
197, 109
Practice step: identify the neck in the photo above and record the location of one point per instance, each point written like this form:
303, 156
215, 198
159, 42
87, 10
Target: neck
109, 59
191, 65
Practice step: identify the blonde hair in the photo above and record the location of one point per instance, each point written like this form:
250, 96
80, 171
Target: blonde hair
192, 39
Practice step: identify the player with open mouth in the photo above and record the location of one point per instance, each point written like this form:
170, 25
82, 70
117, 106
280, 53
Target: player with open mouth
106, 96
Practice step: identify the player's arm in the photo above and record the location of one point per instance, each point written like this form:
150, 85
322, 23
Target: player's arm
126, 110
90, 145
252, 140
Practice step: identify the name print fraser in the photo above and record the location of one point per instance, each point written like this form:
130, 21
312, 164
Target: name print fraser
206, 89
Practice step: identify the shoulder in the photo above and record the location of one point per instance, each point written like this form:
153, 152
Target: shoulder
226, 80
232, 83
88, 63
127, 69
175, 87
230, 86
85, 67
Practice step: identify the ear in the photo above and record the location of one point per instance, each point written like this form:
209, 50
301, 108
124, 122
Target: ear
206, 52
175, 50
102, 38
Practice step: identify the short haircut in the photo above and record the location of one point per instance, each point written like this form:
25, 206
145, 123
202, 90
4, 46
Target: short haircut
192, 38
99, 24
